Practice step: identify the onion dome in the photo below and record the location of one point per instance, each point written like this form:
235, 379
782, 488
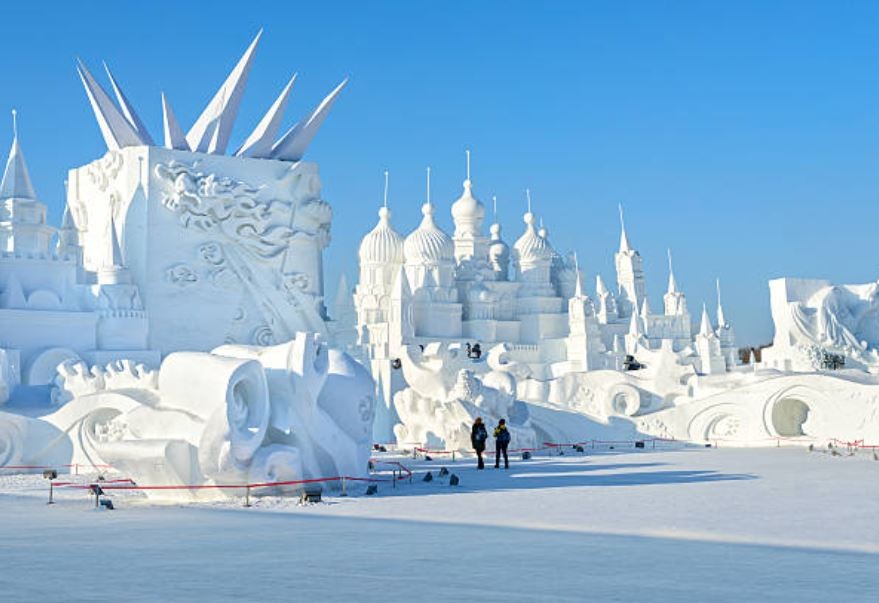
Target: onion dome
383, 244
498, 251
531, 247
468, 213
427, 244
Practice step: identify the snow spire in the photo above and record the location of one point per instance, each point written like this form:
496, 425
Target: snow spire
115, 128
385, 204
494, 208
600, 287
624, 239
672, 283
721, 320
212, 129
528, 197
467, 152
127, 109
578, 285
295, 141
174, 137
705, 328
16, 181
259, 143
428, 177
635, 323
645, 308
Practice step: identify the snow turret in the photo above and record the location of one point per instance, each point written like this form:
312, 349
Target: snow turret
630, 274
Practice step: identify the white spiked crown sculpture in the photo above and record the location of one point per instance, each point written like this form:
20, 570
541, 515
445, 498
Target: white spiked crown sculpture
121, 126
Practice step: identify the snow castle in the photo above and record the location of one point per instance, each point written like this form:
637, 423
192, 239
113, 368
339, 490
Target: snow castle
469, 288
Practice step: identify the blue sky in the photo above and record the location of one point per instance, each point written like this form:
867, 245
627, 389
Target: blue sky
745, 135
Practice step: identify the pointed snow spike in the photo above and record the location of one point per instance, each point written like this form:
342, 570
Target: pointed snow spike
645, 308
624, 239
259, 143
117, 132
635, 324
293, 144
705, 327
117, 260
211, 131
721, 319
127, 109
16, 181
600, 287
672, 283
174, 137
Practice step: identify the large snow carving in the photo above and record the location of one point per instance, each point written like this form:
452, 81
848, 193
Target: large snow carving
241, 414
444, 398
210, 240
816, 320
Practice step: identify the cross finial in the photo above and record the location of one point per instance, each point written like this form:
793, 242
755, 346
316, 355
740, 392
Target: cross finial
622, 221
386, 188
528, 196
669, 260
428, 184
467, 152
717, 284
494, 206
15, 123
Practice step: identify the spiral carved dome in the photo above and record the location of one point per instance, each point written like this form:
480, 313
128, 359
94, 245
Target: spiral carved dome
382, 244
531, 247
428, 244
468, 212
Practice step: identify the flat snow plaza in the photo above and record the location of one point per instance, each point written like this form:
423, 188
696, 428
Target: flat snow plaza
673, 525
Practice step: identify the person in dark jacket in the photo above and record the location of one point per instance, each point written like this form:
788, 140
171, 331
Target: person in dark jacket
478, 436
502, 439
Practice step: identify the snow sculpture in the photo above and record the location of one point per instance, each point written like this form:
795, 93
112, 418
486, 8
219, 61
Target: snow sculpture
241, 414
814, 318
209, 239
444, 398
526, 304
51, 309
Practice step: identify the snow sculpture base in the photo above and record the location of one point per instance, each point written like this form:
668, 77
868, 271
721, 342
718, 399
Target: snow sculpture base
238, 415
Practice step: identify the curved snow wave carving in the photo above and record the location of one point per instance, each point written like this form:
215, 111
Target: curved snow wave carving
242, 414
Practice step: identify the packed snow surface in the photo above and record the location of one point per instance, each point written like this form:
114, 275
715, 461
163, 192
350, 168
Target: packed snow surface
670, 525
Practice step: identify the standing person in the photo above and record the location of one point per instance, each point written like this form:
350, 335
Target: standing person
478, 436
502, 439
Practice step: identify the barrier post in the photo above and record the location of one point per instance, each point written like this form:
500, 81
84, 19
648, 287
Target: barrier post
51, 488
76, 469
247, 496
344, 493
453, 456
654, 443
394, 480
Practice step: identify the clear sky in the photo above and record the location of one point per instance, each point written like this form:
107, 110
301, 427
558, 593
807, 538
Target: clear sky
743, 135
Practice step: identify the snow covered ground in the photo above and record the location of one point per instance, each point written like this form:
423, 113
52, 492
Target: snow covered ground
680, 525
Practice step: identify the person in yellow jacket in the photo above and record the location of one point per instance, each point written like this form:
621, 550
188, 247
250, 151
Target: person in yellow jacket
502, 439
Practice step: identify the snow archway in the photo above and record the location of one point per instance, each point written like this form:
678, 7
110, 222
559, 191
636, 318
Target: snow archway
788, 417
